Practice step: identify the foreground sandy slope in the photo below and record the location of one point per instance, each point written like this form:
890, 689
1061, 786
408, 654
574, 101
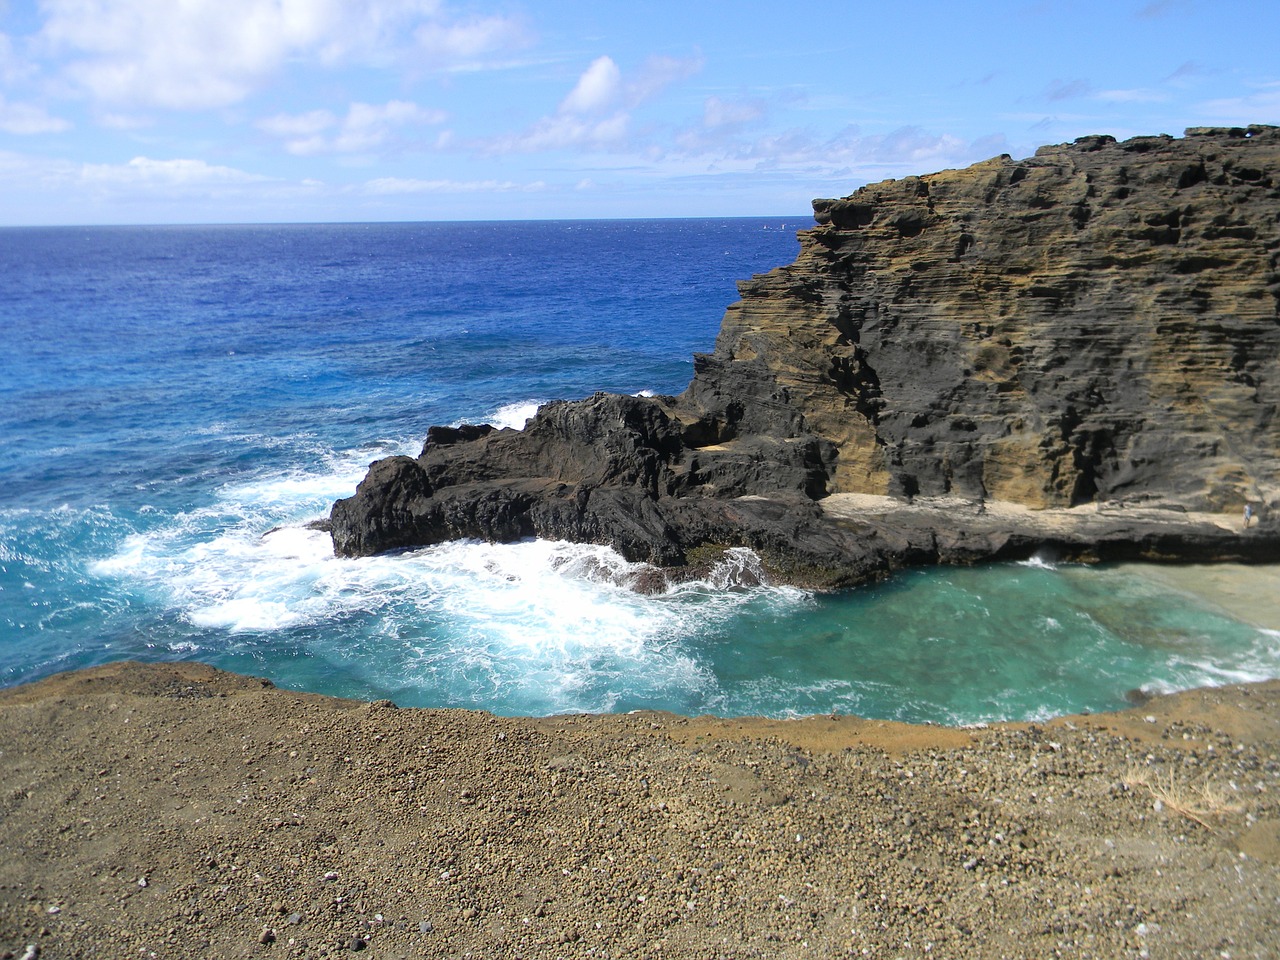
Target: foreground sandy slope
175, 811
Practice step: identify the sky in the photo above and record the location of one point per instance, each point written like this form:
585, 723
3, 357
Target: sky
233, 111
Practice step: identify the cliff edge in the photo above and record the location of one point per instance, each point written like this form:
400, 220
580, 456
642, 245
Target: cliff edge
1077, 352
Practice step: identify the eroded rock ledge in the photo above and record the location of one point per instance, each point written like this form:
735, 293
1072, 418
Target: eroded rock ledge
1078, 352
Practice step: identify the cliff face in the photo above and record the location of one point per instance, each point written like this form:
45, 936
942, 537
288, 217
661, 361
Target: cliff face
1098, 324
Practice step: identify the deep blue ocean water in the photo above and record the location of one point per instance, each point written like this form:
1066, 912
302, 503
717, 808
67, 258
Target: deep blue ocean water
177, 402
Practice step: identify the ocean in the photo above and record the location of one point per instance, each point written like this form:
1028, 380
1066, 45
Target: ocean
176, 403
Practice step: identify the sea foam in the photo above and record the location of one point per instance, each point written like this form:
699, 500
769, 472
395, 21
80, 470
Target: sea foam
540, 626
537, 626
513, 415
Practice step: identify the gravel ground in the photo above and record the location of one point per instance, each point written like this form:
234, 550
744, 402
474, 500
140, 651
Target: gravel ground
176, 811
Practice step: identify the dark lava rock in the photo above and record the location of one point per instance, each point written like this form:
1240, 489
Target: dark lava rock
1092, 333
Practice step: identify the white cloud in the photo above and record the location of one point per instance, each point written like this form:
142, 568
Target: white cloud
596, 113
560, 132
1139, 95
1260, 106
596, 90
847, 156
26, 119
13, 68
719, 113
287, 126
125, 121
180, 172
198, 54
472, 38
403, 185
910, 145
46, 189
366, 127
656, 74
24, 175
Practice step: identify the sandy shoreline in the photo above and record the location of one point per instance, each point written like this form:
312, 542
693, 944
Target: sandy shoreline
1250, 593
175, 811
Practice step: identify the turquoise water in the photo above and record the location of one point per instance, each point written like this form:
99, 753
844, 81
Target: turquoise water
177, 403
961, 645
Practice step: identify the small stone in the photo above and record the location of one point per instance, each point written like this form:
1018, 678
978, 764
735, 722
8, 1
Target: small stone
295, 918
267, 936
357, 944
425, 927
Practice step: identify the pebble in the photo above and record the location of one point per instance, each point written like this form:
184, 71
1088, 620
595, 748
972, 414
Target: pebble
939, 855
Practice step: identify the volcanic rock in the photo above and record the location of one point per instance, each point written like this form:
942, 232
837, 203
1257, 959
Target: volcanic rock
1079, 351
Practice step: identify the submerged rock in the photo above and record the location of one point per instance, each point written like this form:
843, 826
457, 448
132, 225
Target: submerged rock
1091, 335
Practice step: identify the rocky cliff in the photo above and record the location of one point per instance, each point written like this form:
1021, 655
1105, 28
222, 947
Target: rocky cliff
1092, 333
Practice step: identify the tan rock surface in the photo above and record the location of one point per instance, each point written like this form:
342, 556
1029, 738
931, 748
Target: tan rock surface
1100, 321
174, 811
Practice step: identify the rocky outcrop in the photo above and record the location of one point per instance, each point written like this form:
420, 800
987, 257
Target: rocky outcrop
1089, 331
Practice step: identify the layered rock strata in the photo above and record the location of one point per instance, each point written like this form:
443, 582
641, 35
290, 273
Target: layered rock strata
1092, 333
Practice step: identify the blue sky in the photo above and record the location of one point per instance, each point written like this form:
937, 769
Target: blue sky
196, 111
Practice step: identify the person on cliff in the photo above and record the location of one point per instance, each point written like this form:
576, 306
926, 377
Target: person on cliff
1248, 514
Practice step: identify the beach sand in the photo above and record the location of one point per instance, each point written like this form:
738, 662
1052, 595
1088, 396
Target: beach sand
1248, 593
176, 811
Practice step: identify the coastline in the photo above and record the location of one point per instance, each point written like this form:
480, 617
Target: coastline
177, 810
972, 364
1250, 593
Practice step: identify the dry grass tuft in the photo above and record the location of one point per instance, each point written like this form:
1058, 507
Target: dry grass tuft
1195, 802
